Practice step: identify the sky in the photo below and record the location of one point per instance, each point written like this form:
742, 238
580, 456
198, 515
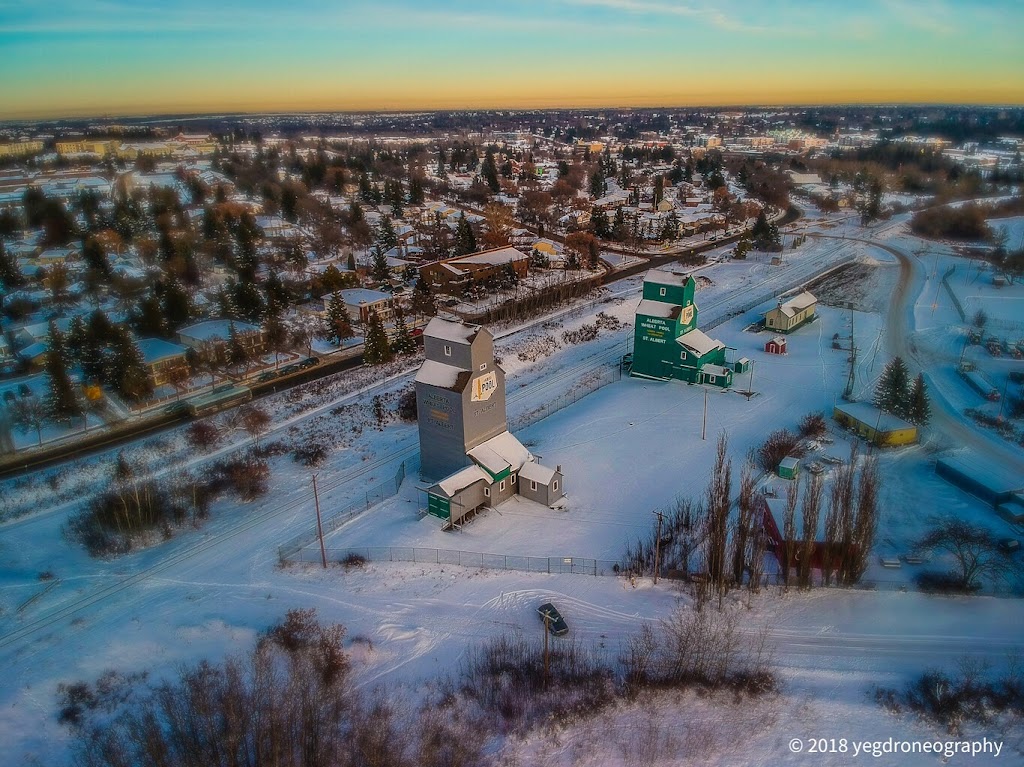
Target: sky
61, 58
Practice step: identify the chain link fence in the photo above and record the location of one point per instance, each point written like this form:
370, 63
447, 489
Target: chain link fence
481, 560
597, 377
288, 550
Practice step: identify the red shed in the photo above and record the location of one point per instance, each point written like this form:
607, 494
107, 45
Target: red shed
776, 345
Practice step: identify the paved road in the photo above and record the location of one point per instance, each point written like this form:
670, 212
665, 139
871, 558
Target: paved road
946, 419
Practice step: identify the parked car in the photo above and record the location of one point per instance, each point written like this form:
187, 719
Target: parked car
293, 368
309, 362
269, 375
556, 623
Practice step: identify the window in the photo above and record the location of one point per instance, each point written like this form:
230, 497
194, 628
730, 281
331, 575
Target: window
487, 492
554, 485
711, 379
501, 487
513, 478
483, 366
533, 485
771, 321
447, 350
661, 292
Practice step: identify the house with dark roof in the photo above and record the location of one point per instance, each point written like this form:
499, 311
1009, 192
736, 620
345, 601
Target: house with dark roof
457, 274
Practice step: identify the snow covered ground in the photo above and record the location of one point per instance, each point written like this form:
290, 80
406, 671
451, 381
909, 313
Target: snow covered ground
626, 449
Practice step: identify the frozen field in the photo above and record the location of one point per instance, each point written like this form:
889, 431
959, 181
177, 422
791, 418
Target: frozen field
626, 449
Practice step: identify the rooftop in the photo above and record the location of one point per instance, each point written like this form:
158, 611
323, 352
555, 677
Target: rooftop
869, 415
451, 331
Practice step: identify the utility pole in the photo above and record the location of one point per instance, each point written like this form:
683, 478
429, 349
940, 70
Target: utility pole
853, 360
319, 524
547, 627
750, 385
704, 425
657, 545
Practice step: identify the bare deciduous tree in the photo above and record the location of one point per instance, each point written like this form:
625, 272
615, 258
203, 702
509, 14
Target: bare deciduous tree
810, 512
975, 551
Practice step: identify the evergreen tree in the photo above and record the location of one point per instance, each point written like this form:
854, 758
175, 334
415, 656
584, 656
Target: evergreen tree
277, 297
95, 257
11, 277
619, 229
386, 237
63, 402
600, 224
338, 325
489, 172
423, 301
376, 350
126, 369
598, 185
93, 358
416, 190
351, 262
404, 342
381, 270
465, 240
670, 229
919, 410
176, 304
441, 172
148, 317
892, 394
247, 301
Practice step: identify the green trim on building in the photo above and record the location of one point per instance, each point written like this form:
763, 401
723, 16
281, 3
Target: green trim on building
439, 506
665, 314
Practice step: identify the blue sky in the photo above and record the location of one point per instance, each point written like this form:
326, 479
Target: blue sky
115, 56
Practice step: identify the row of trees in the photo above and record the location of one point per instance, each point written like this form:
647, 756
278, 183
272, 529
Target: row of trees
720, 543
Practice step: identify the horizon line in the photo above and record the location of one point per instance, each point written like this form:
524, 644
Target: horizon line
133, 115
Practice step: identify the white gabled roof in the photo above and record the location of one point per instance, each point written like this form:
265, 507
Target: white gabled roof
462, 479
650, 308
798, 304
698, 342
494, 256
450, 331
535, 472
438, 374
714, 370
501, 452
662, 277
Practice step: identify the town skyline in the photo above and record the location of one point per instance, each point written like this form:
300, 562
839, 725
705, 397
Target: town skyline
123, 59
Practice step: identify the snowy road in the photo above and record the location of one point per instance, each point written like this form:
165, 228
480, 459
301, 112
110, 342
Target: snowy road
946, 419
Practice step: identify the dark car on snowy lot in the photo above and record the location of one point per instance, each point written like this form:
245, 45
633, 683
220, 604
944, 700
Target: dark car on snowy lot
556, 623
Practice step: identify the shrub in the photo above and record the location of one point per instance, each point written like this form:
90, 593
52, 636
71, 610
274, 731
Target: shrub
203, 435
778, 445
813, 426
407, 405
353, 560
310, 454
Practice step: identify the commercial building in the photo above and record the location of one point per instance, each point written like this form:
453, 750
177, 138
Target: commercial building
875, 425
